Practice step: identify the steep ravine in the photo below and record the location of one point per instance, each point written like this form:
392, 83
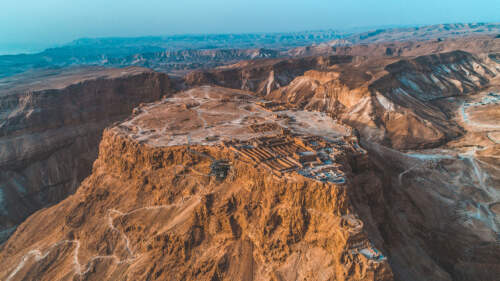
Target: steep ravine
430, 213
49, 137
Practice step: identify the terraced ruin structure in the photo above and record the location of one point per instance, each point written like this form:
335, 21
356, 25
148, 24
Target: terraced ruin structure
311, 156
357, 240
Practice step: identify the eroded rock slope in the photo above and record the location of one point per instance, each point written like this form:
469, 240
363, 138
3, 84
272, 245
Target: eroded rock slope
49, 133
398, 105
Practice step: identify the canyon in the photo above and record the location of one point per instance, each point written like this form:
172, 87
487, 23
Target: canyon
50, 132
360, 162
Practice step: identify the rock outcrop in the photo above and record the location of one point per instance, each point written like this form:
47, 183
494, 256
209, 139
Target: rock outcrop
154, 210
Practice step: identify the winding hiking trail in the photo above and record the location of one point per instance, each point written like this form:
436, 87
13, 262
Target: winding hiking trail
82, 269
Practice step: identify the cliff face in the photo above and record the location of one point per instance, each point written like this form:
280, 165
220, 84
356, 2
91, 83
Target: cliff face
157, 213
49, 136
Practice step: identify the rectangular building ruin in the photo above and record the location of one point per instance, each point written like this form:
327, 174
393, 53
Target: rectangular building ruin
310, 156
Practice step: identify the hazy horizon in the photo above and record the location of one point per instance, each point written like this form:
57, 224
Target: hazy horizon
33, 25
35, 47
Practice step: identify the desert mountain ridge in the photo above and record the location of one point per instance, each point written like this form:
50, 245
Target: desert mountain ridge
178, 54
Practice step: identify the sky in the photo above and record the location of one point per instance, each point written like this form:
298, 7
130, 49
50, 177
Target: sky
41, 23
